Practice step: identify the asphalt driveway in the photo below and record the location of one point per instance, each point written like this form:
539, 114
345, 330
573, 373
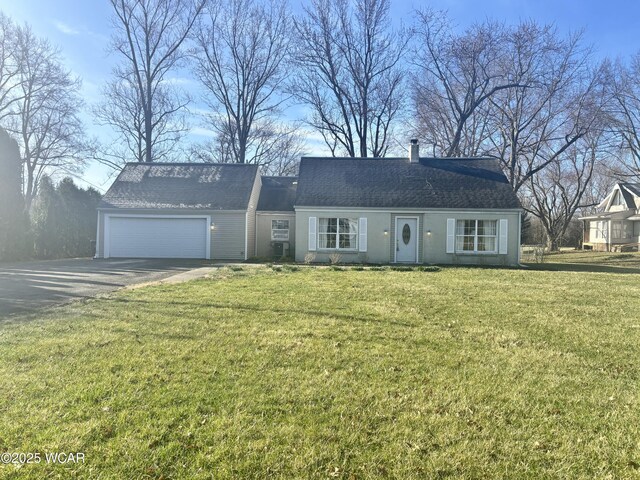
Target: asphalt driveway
28, 286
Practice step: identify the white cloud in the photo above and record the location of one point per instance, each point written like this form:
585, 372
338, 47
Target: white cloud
65, 28
202, 132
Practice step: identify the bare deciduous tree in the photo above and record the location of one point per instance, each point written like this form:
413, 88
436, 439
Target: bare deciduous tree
45, 114
455, 77
556, 193
624, 80
276, 147
241, 56
558, 100
9, 66
141, 103
349, 74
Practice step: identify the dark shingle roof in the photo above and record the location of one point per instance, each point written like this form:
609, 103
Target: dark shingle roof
278, 194
182, 185
634, 188
396, 183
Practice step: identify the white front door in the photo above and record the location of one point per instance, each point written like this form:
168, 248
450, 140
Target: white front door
406, 239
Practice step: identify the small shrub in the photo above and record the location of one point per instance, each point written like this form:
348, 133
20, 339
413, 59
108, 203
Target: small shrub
276, 268
379, 268
336, 267
402, 268
309, 258
429, 268
291, 268
335, 258
358, 268
235, 268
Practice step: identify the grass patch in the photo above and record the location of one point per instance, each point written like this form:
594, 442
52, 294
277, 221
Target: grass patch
471, 373
590, 261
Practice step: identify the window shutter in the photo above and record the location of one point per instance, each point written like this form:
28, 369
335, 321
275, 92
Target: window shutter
312, 234
504, 236
451, 235
362, 233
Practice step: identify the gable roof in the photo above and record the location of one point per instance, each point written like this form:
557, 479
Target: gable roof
629, 191
217, 186
463, 183
278, 194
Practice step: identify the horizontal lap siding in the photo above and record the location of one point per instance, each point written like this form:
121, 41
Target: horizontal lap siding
228, 237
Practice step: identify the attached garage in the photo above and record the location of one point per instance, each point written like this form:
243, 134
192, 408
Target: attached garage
157, 236
180, 210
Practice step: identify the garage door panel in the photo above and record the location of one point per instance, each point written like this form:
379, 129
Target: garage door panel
157, 237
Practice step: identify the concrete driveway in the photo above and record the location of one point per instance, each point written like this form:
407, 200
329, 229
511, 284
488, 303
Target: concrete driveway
28, 286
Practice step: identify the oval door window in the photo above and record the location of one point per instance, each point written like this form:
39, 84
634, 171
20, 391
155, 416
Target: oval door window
406, 233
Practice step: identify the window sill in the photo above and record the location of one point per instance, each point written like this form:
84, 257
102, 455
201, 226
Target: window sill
334, 250
475, 253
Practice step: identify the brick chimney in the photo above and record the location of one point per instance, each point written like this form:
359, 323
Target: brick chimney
414, 154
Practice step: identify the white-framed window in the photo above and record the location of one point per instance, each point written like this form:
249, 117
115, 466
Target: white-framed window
477, 236
280, 230
620, 229
337, 233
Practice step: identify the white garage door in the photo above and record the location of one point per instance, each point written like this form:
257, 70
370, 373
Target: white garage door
157, 237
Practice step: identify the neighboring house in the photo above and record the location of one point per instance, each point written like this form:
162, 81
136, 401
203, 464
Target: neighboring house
382, 210
616, 224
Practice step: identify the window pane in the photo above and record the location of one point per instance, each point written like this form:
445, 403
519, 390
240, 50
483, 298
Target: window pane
327, 225
347, 241
327, 240
469, 243
280, 224
486, 244
348, 225
487, 227
469, 227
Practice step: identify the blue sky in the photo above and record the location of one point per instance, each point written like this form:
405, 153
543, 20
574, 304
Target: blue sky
81, 29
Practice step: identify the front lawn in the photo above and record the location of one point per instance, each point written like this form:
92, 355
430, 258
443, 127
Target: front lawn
320, 373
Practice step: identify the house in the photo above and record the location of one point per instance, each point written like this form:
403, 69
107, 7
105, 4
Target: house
368, 210
616, 224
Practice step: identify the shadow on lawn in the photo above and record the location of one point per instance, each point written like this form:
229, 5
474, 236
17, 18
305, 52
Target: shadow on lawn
580, 267
253, 308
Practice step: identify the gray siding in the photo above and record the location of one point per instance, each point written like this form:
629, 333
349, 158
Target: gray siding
263, 232
431, 248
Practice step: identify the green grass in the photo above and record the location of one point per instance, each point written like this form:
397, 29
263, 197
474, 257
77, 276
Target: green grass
589, 261
316, 373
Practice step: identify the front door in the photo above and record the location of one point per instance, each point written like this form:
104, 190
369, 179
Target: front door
406, 239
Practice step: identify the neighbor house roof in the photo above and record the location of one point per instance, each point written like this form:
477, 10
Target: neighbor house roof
216, 186
278, 194
460, 183
629, 192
